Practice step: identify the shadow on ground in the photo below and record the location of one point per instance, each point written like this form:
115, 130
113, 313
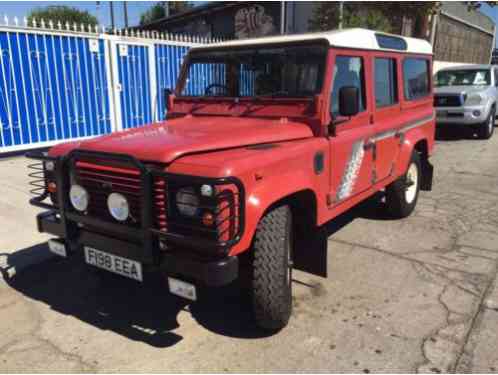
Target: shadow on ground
451, 132
145, 312
454, 133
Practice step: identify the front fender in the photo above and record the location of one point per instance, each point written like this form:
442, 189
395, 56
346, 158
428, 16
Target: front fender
263, 195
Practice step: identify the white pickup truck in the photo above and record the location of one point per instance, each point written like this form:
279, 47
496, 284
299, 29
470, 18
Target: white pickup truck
467, 95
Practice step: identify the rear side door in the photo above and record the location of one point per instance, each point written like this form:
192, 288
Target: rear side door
386, 113
351, 158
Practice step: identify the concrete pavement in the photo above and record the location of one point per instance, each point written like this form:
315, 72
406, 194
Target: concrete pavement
418, 294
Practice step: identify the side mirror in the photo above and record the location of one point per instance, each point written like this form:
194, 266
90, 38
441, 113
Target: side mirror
349, 101
168, 98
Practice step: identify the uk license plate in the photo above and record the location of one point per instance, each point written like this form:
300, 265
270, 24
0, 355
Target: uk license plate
113, 263
182, 289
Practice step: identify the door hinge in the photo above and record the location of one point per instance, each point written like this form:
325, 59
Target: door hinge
374, 176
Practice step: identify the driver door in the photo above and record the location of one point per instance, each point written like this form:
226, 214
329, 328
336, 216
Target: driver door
350, 149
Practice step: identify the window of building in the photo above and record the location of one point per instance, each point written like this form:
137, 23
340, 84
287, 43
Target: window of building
416, 78
386, 87
348, 71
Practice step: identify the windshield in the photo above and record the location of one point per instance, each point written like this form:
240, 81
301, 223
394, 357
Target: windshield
468, 77
291, 71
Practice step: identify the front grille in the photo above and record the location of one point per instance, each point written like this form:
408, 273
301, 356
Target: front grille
100, 181
447, 101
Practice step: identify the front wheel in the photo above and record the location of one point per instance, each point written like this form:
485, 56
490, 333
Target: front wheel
487, 128
272, 270
402, 194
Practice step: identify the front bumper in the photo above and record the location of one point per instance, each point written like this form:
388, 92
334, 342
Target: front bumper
180, 253
213, 272
461, 115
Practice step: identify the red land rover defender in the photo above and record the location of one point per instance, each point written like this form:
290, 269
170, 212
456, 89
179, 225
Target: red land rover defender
279, 136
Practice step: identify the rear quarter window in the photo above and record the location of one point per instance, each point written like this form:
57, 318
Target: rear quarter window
416, 78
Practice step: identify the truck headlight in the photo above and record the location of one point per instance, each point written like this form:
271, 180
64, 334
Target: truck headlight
118, 206
473, 100
79, 197
187, 201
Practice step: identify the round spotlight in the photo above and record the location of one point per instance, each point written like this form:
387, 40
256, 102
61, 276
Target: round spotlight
49, 166
118, 206
79, 197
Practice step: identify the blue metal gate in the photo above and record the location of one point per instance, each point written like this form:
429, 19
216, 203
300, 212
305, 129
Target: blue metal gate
72, 82
52, 88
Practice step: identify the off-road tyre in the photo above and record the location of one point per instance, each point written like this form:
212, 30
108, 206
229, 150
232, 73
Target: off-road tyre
399, 202
486, 129
272, 270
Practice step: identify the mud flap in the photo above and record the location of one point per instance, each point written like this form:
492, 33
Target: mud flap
427, 175
310, 252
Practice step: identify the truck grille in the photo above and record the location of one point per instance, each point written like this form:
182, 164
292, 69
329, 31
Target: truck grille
100, 181
447, 100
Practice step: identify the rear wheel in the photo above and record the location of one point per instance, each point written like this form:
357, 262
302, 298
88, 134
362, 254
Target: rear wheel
402, 194
487, 128
272, 269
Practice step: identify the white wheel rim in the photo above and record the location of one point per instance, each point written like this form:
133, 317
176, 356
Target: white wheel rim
412, 182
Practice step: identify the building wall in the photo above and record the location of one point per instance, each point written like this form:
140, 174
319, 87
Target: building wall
459, 42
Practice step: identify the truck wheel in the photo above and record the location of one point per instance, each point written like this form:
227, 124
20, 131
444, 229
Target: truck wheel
402, 194
487, 128
272, 270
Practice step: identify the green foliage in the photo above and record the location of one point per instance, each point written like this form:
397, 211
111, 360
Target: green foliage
157, 11
373, 15
372, 19
63, 14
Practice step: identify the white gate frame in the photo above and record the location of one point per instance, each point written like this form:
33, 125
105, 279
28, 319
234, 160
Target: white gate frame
112, 42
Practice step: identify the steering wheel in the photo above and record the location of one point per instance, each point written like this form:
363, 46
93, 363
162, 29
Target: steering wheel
207, 90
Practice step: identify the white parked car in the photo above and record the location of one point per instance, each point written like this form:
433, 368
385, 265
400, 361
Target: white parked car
467, 95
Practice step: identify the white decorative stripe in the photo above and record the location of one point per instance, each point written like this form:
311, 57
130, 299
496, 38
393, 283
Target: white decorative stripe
417, 123
351, 171
407, 126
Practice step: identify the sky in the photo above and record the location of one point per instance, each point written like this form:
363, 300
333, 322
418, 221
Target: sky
135, 8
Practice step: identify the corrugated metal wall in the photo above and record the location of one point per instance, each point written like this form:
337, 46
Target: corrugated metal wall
63, 83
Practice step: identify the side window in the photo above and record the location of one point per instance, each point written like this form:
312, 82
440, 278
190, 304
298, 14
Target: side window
386, 86
496, 76
416, 78
348, 71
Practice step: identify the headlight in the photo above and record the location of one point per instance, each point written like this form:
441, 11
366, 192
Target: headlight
118, 206
187, 201
473, 100
79, 197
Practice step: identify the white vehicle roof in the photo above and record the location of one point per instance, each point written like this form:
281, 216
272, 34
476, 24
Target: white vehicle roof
347, 38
